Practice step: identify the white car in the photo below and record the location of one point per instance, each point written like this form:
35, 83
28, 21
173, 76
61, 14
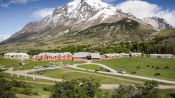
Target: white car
121, 71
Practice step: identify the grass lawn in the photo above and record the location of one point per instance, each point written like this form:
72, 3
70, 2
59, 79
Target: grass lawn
143, 66
91, 67
22, 78
139, 81
8, 63
73, 74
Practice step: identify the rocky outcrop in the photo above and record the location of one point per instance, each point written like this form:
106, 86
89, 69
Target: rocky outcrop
157, 22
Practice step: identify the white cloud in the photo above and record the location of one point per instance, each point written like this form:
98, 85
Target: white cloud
6, 3
143, 9
4, 37
43, 13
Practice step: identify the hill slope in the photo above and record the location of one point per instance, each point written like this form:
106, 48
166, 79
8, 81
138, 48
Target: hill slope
124, 30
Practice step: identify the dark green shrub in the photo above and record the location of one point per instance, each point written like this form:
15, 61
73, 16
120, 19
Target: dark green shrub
167, 67
157, 74
134, 72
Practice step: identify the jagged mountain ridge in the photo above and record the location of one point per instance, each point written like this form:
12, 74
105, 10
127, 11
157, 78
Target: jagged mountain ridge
74, 16
124, 30
157, 22
78, 16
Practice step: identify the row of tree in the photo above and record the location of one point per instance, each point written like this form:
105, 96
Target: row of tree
144, 47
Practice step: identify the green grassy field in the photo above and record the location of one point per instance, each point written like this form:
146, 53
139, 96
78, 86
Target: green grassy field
22, 78
8, 63
91, 67
144, 66
73, 74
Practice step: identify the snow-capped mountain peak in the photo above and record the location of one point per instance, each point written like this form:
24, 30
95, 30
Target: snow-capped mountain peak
157, 22
77, 11
96, 4
77, 15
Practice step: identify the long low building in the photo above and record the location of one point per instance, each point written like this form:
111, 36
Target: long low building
135, 54
116, 55
161, 55
53, 56
112, 55
67, 56
18, 56
86, 56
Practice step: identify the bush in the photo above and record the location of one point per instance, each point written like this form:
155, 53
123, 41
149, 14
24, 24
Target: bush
172, 95
1, 70
96, 70
46, 88
157, 67
108, 70
138, 67
147, 65
134, 72
1, 75
157, 74
18, 84
167, 67
5, 89
7, 94
152, 66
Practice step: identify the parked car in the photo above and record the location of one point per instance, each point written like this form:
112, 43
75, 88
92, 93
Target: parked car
121, 71
40, 72
49, 66
52, 66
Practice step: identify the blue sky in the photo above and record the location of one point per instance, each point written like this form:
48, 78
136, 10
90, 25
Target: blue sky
15, 14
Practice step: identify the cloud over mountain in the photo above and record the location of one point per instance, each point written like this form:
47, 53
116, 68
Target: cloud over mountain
142, 9
6, 3
43, 12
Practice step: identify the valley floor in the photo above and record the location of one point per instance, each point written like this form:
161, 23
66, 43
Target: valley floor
97, 70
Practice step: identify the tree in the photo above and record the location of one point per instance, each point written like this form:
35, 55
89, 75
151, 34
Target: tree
79, 88
148, 90
5, 89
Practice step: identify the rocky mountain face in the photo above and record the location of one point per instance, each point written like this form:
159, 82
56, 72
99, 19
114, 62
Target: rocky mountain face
74, 16
86, 21
124, 30
157, 22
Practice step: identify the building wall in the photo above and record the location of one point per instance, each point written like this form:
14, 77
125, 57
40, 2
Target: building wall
54, 58
18, 57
